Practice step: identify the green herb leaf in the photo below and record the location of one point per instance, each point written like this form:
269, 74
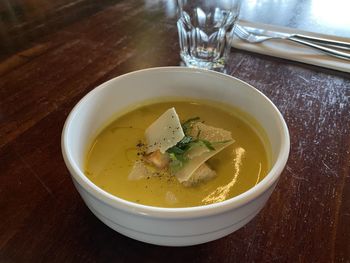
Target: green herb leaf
208, 145
176, 162
187, 124
184, 142
178, 153
175, 150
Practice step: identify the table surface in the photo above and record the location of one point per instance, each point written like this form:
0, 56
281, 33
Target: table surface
53, 52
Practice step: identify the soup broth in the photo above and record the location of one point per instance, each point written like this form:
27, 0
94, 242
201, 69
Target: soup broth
239, 167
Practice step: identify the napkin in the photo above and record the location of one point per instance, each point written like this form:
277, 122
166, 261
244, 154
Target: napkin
290, 50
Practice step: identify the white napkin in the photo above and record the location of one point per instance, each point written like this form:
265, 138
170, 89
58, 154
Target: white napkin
290, 50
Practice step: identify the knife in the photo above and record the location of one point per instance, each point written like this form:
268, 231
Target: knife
317, 40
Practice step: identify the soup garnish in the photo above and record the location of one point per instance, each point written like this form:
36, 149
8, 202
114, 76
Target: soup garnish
180, 149
206, 153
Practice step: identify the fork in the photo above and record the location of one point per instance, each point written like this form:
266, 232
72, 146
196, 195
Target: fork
254, 38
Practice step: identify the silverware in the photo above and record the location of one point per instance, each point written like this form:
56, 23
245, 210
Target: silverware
328, 48
316, 40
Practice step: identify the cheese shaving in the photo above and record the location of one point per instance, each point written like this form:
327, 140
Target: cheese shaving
218, 137
165, 132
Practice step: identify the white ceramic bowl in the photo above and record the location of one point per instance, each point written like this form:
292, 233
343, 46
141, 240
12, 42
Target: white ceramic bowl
171, 226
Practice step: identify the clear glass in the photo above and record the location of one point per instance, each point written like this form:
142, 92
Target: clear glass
204, 28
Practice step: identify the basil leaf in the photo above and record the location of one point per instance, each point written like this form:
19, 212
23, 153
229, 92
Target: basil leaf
177, 153
176, 162
187, 124
208, 145
184, 142
175, 150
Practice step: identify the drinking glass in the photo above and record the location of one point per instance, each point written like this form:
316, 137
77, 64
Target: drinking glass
204, 27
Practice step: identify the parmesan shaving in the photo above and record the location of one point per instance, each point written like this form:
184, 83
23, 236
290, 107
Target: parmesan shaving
219, 138
202, 174
142, 170
139, 171
165, 132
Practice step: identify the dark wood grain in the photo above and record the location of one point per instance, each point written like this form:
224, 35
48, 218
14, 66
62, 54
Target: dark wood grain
53, 53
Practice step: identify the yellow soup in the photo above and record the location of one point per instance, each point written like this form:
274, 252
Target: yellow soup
239, 167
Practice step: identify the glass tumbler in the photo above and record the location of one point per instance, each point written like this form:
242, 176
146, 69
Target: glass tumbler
204, 27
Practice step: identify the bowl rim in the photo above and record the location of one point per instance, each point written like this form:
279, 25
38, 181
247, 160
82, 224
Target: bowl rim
183, 212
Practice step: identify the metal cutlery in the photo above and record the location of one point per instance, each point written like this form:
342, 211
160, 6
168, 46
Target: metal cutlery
323, 45
317, 40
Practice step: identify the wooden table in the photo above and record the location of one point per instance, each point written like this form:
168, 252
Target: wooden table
53, 52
